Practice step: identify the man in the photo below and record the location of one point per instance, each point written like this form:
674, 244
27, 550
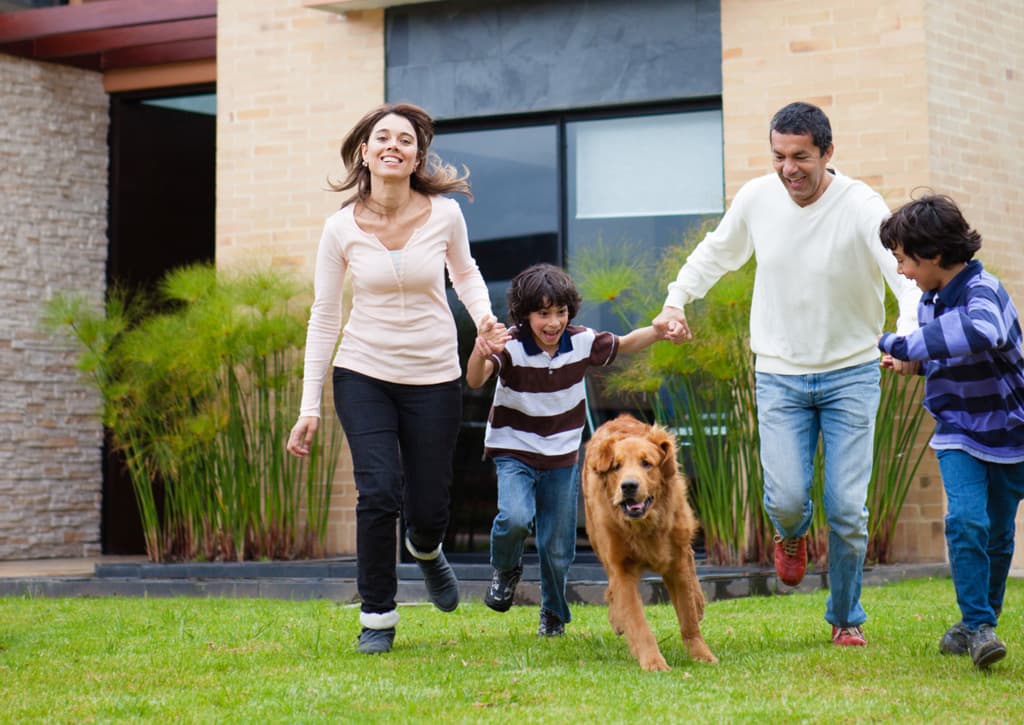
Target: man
816, 314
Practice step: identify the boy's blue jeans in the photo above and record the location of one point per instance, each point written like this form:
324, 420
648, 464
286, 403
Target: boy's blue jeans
546, 500
840, 405
983, 499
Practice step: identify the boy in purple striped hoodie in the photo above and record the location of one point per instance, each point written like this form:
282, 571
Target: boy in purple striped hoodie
969, 349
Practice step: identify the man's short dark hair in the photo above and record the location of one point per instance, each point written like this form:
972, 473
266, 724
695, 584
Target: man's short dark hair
931, 227
799, 119
540, 286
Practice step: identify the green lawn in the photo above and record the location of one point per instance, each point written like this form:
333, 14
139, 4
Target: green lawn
244, 660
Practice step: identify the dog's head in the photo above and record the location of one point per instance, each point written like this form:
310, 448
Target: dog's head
635, 467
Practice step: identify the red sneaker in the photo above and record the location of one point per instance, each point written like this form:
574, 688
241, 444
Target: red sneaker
791, 559
848, 636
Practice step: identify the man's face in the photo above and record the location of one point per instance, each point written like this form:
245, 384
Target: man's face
801, 166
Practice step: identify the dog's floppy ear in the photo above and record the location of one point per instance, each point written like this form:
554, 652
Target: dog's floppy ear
600, 452
667, 443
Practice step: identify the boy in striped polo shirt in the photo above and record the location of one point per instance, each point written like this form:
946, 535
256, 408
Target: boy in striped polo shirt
969, 346
535, 427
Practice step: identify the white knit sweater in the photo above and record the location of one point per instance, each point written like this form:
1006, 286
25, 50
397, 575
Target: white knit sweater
818, 301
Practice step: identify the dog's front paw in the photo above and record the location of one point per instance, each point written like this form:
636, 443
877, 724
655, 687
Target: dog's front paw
700, 651
653, 662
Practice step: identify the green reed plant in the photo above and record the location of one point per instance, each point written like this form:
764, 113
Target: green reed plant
705, 390
199, 396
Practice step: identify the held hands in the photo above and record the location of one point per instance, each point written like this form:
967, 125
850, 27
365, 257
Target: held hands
900, 367
301, 437
491, 337
670, 324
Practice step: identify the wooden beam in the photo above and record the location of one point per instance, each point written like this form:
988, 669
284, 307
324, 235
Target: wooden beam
348, 6
161, 76
159, 53
43, 22
95, 41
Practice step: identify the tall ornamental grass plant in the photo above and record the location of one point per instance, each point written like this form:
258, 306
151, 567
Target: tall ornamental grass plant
704, 389
200, 392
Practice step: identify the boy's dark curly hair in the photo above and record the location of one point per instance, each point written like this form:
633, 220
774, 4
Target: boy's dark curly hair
537, 287
931, 227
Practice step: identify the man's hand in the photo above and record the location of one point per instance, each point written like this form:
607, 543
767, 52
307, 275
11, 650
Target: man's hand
671, 325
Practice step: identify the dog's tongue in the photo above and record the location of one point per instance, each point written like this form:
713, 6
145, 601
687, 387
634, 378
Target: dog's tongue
635, 506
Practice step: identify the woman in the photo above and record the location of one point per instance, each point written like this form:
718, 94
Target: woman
396, 372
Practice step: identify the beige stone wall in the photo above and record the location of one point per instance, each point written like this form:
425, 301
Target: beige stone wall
865, 64
291, 81
53, 220
976, 129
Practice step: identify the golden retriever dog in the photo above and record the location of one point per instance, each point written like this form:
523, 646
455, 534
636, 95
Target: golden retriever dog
639, 518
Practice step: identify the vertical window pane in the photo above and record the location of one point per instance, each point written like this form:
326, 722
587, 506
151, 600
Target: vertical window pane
513, 222
649, 166
637, 185
513, 219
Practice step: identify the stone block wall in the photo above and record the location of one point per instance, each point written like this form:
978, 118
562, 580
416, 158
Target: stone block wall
291, 81
53, 221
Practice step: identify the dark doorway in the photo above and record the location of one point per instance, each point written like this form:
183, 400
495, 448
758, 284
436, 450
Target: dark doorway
161, 216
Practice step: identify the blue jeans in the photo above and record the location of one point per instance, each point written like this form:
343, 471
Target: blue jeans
547, 499
402, 439
840, 405
983, 499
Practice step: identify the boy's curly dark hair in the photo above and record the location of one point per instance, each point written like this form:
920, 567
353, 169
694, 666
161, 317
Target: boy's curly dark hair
931, 227
537, 287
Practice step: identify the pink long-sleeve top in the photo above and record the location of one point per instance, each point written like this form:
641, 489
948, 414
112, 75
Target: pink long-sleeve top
401, 328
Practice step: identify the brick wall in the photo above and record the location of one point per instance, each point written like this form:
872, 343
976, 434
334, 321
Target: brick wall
291, 81
53, 218
976, 130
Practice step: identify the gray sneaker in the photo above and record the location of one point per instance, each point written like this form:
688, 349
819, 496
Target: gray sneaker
985, 647
956, 640
376, 641
550, 625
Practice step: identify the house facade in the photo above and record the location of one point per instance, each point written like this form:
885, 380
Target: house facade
574, 117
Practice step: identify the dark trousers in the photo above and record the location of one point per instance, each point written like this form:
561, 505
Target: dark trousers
402, 439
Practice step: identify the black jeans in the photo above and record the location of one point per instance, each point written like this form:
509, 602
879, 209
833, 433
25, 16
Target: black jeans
402, 439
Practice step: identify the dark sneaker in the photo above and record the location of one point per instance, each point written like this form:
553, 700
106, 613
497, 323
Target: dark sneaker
503, 588
376, 641
438, 577
550, 625
442, 586
956, 640
791, 559
848, 636
985, 647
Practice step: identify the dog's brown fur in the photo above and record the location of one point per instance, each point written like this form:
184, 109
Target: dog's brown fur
621, 453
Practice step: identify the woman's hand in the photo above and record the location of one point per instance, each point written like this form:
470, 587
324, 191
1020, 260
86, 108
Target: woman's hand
301, 437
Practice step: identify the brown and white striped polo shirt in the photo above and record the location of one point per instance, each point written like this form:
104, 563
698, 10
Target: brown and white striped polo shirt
539, 405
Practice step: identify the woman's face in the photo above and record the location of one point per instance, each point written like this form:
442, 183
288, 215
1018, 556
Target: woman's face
392, 150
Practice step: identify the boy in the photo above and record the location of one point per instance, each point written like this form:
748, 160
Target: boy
534, 430
969, 344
